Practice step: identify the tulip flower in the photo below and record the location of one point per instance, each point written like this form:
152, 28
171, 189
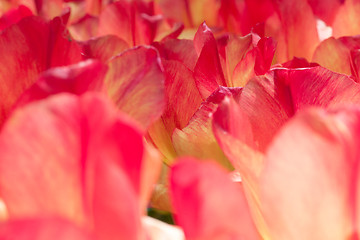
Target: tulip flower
197, 71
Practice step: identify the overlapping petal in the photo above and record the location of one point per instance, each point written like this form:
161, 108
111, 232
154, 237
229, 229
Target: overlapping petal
94, 175
135, 82
208, 204
310, 178
31, 46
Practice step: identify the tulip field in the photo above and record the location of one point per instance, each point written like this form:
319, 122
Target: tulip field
179, 119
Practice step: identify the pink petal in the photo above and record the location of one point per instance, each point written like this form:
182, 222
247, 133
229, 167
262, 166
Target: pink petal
42, 229
208, 204
319, 87
75, 168
183, 98
77, 79
309, 182
208, 71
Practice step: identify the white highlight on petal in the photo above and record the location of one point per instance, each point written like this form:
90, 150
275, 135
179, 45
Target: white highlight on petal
235, 176
324, 31
157, 230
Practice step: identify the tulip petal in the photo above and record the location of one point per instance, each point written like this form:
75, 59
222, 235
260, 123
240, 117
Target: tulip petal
85, 28
309, 182
197, 138
115, 20
208, 204
181, 50
208, 71
77, 79
236, 49
104, 48
31, 46
298, 29
325, 10
13, 16
333, 55
319, 87
183, 98
75, 167
135, 82
130, 21
116, 208
346, 22
42, 229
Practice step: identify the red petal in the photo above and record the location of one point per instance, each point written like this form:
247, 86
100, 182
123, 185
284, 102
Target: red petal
183, 98
42, 229
208, 204
267, 105
325, 10
208, 71
13, 16
181, 50
298, 63
136, 84
310, 180
319, 87
131, 21
31, 46
77, 79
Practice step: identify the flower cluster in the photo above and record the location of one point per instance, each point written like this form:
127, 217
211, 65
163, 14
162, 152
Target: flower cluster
240, 118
